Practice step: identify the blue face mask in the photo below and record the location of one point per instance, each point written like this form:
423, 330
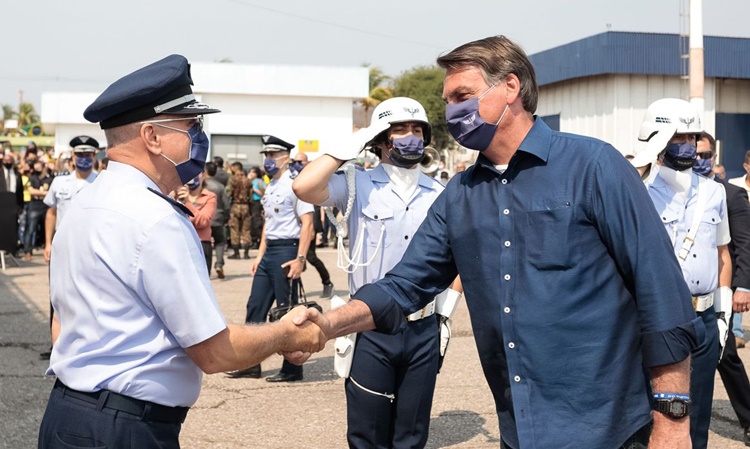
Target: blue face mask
269, 165
702, 167
296, 166
84, 163
680, 156
467, 127
198, 153
194, 183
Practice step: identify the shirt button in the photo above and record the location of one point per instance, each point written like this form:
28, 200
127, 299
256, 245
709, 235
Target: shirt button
506, 310
511, 345
504, 181
407, 208
406, 237
506, 211
507, 243
506, 277
517, 378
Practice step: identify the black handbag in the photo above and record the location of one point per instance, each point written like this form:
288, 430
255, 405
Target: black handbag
276, 313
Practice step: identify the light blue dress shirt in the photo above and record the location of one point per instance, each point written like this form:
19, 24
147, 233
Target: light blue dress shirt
129, 286
379, 209
63, 189
283, 209
701, 267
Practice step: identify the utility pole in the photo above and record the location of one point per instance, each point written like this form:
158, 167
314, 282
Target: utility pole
697, 72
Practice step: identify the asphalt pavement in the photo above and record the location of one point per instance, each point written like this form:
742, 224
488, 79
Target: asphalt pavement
242, 413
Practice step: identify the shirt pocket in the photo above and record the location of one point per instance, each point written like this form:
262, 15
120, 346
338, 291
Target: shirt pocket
379, 225
708, 227
548, 238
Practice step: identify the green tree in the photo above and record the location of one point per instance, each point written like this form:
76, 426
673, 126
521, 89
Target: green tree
8, 112
27, 115
425, 84
379, 91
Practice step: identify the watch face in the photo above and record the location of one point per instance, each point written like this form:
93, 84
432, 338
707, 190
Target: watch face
678, 408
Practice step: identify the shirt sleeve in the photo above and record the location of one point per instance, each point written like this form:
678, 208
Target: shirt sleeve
338, 192
723, 237
622, 211
426, 269
202, 216
303, 208
171, 271
50, 199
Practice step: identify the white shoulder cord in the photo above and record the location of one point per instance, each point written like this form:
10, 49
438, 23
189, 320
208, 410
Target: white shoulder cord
343, 261
700, 208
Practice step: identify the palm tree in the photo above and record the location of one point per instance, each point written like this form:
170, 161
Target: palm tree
378, 91
8, 113
27, 115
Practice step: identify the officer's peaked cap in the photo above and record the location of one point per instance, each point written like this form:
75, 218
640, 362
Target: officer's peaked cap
84, 144
272, 144
159, 88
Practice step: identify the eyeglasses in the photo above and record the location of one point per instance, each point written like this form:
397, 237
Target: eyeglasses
195, 119
706, 154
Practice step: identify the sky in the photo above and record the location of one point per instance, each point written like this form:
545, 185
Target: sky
84, 45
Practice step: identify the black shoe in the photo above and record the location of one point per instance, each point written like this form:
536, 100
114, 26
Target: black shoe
747, 435
220, 273
327, 291
322, 245
253, 372
47, 354
234, 256
284, 377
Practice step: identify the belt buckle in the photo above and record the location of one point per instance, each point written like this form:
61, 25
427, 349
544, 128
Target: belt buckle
695, 303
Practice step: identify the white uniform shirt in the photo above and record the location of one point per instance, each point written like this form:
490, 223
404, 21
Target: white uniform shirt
283, 209
379, 209
701, 267
740, 182
62, 190
131, 292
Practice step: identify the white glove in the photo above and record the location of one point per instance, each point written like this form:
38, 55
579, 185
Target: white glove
445, 334
356, 144
446, 301
723, 308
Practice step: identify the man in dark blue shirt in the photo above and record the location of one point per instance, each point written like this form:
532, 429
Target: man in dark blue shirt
570, 278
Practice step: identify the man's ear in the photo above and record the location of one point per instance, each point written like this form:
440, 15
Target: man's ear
512, 87
150, 138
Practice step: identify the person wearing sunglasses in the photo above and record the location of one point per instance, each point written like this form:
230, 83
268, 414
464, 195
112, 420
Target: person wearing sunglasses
139, 323
693, 211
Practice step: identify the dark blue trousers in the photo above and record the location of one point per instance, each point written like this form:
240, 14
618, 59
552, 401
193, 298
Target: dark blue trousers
269, 284
704, 360
70, 422
404, 365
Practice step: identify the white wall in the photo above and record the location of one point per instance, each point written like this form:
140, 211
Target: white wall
291, 102
611, 107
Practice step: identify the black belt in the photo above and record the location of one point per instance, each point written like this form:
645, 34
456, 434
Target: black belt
148, 411
283, 242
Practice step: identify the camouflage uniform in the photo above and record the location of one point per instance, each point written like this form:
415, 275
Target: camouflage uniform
239, 217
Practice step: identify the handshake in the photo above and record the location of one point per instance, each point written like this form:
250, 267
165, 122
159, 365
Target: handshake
311, 333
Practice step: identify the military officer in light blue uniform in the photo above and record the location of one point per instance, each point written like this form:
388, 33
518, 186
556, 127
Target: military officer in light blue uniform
287, 233
64, 188
138, 319
694, 212
390, 386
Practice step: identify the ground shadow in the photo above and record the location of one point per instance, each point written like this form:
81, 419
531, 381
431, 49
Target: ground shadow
458, 426
724, 421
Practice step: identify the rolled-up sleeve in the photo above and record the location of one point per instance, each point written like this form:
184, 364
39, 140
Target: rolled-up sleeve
630, 227
426, 269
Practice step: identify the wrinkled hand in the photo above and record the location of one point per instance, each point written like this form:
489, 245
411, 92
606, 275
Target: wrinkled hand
302, 316
740, 301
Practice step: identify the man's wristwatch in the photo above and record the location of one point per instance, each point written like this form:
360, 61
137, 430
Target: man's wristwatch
301, 258
673, 405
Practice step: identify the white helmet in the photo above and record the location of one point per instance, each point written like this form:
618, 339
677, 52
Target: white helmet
399, 110
663, 119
